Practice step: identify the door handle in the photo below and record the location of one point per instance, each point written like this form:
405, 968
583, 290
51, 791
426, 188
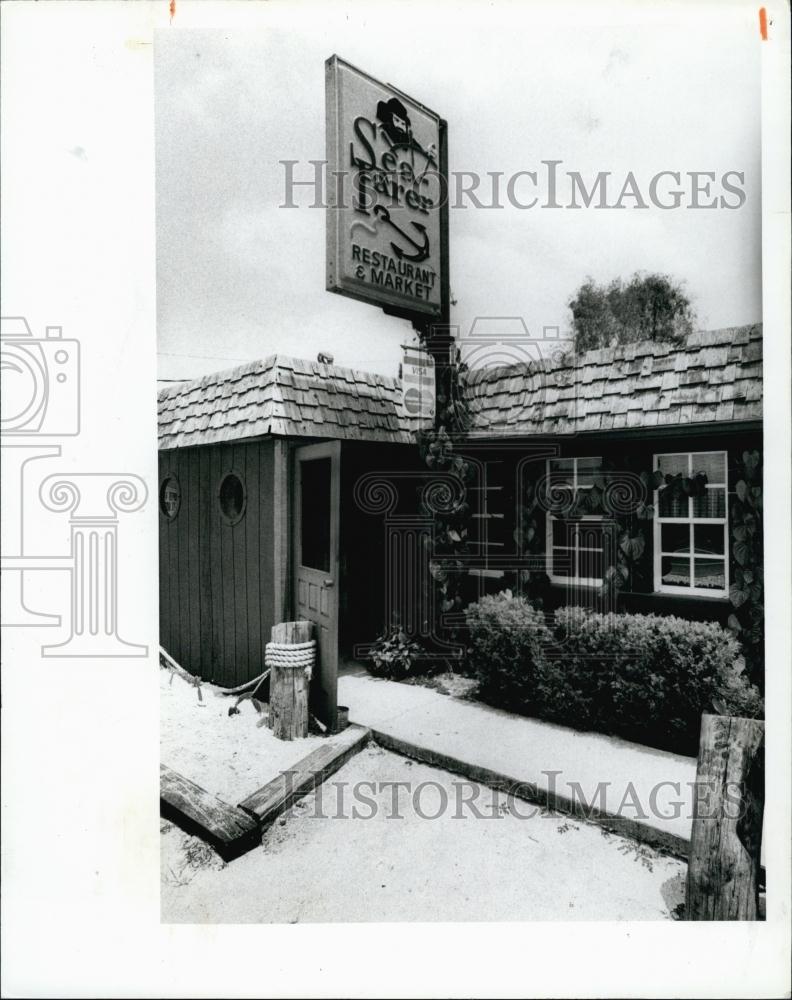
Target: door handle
328, 583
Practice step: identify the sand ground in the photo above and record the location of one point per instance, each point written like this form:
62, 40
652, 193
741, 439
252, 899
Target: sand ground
321, 863
228, 755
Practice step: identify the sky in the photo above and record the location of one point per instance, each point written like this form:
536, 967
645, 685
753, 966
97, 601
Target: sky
646, 88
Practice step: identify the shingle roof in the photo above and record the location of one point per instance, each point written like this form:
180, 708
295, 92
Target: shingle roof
716, 376
282, 396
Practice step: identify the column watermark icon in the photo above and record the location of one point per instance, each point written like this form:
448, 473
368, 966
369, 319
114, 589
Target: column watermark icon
41, 403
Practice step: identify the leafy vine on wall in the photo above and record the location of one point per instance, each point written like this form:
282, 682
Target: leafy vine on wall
747, 586
532, 581
632, 541
439, 448
631, 546
616, 494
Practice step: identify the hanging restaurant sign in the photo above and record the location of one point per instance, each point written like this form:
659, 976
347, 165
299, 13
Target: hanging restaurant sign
384, 193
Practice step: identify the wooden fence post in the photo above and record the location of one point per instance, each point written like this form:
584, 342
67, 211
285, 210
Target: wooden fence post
289, 685
726, 839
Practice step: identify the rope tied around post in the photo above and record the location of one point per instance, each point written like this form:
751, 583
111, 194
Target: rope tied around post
301, 654
290, 655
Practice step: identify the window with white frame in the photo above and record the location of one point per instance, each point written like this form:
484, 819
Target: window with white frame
575, 542
486, 539
691, 532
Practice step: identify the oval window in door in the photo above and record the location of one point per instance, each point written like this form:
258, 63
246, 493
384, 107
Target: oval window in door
231, 496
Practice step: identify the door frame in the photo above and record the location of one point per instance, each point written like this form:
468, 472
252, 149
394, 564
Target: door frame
324, 693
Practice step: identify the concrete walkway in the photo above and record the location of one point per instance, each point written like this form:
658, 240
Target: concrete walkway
644, 793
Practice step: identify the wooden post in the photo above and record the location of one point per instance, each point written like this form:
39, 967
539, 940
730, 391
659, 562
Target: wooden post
726, 839
289, 686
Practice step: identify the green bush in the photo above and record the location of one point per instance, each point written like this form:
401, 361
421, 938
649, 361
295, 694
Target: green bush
643, 677
508, 639
395, 655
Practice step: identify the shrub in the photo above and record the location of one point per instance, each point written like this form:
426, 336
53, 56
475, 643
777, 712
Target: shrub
395, 655
508, 637
644, 677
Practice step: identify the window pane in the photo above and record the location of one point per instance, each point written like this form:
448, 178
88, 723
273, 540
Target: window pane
589, 565
709, 573
712, 504
558, 490
315, 514
712, 464
708, 539
673, 504
675, 538
562, 470
588, 469
561, 480
582, 503
497, 531
561, 533
676, 571
589, 535
672, 465
563, 563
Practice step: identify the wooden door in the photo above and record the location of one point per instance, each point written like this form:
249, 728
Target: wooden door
317, 499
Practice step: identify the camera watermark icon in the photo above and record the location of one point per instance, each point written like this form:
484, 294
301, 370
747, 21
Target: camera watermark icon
502, 341
40, 381
505, 362
41, 402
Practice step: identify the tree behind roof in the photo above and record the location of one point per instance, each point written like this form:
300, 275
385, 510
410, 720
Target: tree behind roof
648, 307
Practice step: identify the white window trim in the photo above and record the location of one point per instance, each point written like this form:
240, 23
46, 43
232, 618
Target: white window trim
691, 591
596, 518
485, 545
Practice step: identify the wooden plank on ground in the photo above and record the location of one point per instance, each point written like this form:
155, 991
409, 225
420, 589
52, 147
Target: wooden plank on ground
624, 826
269, 802
230, 830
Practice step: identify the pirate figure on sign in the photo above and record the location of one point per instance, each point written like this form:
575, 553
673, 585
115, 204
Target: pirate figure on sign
394, 124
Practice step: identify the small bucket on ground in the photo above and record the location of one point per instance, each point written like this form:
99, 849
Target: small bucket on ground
342, 717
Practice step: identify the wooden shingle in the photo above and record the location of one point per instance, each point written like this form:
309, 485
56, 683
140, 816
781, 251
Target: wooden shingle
640, 385
285, 397
716, 376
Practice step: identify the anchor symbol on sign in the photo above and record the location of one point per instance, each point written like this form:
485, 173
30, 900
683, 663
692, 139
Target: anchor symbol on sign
422, 252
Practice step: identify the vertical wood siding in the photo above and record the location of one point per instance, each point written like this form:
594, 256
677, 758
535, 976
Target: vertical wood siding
215, 580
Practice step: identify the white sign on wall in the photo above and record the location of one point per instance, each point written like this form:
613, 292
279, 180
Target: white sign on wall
418, 383
384, 193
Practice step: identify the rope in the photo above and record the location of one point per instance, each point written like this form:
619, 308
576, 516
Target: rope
279, 654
